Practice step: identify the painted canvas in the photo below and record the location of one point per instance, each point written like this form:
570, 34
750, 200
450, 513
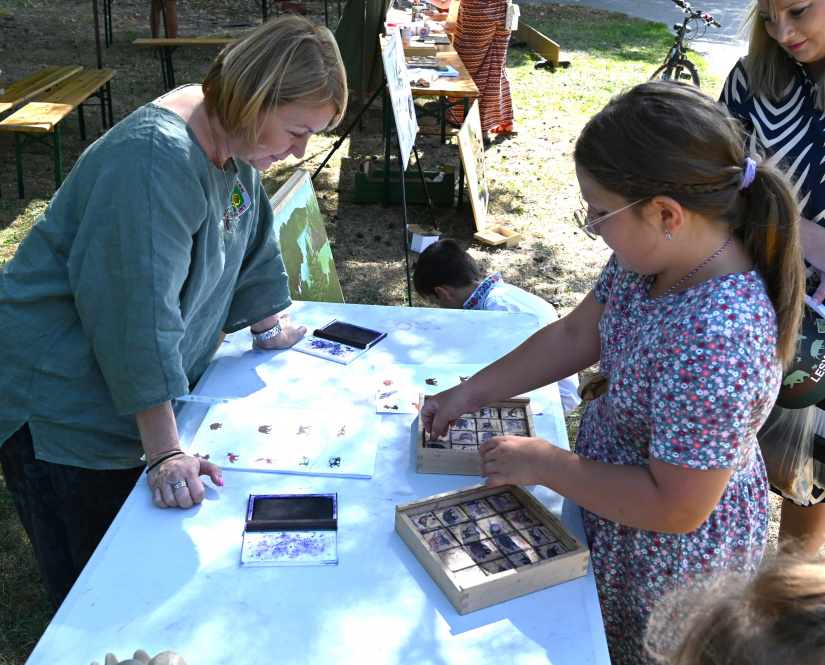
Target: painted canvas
304, 243
471, 145
398, 86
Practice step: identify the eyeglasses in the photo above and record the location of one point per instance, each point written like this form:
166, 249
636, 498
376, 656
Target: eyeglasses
586, 223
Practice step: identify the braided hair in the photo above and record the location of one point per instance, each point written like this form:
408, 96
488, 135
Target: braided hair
665, 138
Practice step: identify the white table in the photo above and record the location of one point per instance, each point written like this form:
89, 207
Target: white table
171, 579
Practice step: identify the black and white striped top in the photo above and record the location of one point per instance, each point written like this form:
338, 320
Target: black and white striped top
790, 131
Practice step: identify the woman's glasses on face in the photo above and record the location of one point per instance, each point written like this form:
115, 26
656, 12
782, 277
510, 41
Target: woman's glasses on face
586, 223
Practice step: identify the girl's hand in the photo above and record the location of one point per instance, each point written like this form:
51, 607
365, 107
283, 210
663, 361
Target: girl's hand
289, 335
515, 460
181, 468
442, 410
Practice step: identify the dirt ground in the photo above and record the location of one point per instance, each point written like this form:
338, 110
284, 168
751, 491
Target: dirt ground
553, 259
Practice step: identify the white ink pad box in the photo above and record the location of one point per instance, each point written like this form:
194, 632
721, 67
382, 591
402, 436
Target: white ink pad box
457, 453
484, 545
290, 530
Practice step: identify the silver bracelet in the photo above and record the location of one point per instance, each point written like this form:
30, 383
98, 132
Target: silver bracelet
267, 334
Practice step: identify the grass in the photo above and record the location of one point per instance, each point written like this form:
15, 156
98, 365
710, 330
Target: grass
533, 188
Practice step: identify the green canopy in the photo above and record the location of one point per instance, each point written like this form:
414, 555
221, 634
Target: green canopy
360, 26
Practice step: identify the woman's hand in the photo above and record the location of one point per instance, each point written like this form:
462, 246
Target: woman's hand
812, 237
515, 460
288, 336
186, 469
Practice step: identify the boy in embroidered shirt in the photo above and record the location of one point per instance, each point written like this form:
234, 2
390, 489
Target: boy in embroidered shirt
447, 276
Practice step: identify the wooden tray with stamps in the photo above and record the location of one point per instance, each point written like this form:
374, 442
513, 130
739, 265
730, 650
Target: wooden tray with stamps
457, 453
484, 545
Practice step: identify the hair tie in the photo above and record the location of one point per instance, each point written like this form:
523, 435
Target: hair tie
750, 173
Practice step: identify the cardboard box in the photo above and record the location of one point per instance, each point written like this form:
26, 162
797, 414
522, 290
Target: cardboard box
498, 235
420, 49
483, 545
422, 238
460, 457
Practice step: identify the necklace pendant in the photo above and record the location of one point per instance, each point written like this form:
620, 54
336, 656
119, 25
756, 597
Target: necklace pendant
231, 217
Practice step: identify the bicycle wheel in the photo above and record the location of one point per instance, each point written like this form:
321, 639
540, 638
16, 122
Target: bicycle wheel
683, 70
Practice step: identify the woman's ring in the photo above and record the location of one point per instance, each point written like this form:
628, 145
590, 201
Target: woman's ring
176, 486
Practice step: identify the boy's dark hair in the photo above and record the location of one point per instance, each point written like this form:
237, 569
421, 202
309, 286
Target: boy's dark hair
444, 263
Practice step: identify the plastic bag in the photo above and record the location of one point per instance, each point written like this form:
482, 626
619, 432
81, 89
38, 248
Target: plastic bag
787, 440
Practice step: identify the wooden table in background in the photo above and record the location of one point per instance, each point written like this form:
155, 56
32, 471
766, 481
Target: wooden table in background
462, 89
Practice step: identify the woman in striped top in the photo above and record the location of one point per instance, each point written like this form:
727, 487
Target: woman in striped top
778, 92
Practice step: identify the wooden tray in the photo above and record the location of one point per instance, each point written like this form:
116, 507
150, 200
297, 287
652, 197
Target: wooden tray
482, 569
498, 235
461, 458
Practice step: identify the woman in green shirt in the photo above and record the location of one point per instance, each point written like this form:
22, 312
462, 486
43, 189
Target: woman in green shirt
160, 239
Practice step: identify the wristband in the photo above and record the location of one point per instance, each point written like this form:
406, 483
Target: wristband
267, 334
163, 459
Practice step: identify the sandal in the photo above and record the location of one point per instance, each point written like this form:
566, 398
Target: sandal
505, 129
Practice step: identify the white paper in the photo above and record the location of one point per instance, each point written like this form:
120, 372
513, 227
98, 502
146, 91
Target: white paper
321, 442
328, 350
819, 309
289, 548
398, 387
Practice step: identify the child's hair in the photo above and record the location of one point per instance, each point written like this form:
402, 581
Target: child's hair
770, 68
444, 263
778, 616
664, 138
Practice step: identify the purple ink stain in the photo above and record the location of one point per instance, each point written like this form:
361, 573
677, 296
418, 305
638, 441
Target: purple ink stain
289, 546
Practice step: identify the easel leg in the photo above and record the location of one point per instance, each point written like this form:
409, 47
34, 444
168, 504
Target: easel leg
424, 185
363, 73
460, 164
404, 223
387, 135
349, 129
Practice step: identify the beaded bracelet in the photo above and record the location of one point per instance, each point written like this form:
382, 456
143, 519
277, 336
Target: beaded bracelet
163, 459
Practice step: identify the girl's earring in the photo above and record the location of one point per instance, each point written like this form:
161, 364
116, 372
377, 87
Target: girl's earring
667, 235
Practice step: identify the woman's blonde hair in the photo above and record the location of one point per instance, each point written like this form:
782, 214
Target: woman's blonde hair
288, 59
664, 138
778, 616
769, 68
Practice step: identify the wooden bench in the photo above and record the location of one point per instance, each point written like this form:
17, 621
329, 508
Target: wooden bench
26, 88
168, 46
44, 115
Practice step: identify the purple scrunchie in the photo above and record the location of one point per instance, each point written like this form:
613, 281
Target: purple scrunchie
750, 173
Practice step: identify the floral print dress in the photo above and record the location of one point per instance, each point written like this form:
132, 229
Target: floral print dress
692, 377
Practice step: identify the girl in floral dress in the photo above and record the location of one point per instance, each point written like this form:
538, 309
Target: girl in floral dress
692, 320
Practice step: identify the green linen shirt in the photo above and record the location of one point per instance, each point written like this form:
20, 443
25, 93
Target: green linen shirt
115, 301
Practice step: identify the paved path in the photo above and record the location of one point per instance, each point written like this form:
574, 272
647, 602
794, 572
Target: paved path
722, 47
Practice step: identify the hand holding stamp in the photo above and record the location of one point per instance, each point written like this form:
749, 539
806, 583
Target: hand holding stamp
441, 411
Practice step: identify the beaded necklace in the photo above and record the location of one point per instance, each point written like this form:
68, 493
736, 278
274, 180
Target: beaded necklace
594, 385
231, 216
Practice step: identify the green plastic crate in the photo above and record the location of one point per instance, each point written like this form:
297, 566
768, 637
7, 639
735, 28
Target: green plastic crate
369, 186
